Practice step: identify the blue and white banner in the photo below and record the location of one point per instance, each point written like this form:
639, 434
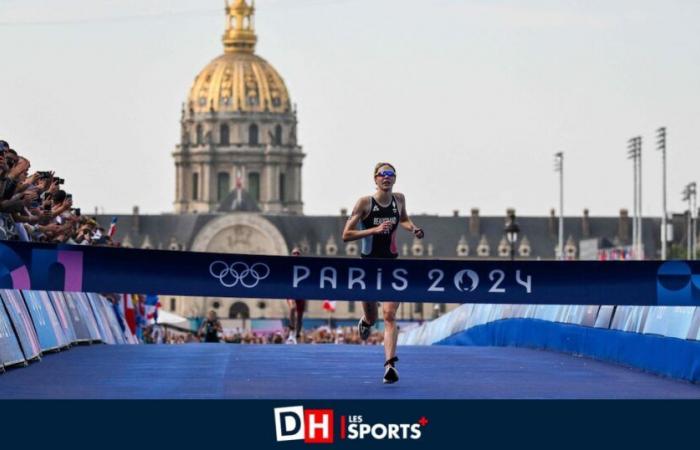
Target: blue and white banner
102, 269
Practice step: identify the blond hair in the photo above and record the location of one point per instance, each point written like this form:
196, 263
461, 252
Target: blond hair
378, 165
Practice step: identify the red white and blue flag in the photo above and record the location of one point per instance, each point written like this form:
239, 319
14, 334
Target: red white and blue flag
112, 227
151, 309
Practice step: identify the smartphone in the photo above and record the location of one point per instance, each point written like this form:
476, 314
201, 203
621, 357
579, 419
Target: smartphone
47, 207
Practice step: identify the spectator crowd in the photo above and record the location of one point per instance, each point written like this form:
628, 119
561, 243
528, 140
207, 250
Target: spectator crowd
34, 207
320, 335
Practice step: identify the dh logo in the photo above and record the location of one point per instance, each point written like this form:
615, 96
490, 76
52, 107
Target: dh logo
314, 426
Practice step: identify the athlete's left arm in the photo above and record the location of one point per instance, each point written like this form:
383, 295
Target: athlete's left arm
405, 221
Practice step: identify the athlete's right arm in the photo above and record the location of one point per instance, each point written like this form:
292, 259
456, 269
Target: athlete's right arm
361, 209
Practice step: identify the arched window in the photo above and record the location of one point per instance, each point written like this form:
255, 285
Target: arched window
195, 186
200, 134
253, 135
254, 185
283, 188
223, 185
278, 135
239, 310
224, 134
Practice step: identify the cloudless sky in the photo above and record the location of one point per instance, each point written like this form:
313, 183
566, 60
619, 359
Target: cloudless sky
469, 98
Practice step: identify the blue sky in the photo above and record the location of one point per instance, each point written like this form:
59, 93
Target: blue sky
470, 99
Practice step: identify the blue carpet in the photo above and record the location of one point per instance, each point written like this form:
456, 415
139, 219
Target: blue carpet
214, 371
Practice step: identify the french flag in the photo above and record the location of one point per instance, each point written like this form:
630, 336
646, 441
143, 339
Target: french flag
129, 312
151, 305
112, 227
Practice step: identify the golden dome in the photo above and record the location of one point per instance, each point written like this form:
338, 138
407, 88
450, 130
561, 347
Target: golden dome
239, 80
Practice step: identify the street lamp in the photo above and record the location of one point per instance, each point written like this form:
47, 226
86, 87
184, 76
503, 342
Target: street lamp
634, 153
511, 231
690, 195
559, 167
661, 146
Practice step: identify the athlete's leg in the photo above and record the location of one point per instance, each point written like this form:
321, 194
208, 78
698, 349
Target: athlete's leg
299, 306
292, 315
369, 310
391, 331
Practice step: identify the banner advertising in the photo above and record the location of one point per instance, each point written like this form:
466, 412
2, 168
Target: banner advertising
45, 321
82, 333
10, 351
22, 321
59, 306
105, 269
102, 324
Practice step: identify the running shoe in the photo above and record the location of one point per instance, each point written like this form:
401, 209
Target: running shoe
391, 375
364, 329
291, 339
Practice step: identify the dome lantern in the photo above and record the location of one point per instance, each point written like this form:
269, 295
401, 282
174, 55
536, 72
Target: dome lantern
240, 27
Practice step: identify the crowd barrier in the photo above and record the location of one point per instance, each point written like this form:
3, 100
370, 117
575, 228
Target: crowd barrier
33, 323
659, 339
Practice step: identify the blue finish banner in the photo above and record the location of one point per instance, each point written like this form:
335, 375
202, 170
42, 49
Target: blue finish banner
102, 269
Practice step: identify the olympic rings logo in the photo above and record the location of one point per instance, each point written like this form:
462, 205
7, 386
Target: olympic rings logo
239, 272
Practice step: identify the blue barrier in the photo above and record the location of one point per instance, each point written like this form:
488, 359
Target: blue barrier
22, 322
10, 351
671, 357
86, 314
59, 306
45, 322
106, 335
113, 322
34, 322
80, 326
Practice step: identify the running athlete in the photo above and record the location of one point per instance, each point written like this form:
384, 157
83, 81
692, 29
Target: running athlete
296, 312
375, 219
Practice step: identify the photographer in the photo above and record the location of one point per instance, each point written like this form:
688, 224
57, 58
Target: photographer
210, 328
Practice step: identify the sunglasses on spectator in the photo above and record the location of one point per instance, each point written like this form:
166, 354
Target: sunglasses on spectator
386, 173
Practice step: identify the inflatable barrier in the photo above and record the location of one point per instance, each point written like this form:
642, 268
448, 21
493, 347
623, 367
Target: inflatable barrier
662, 340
